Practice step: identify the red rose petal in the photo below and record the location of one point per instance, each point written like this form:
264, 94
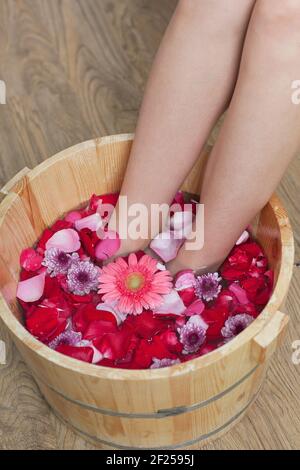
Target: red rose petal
196, 308
85, 353
88, 314
47, 234
46, 323
97, 329
146, 325
30, 260
117, 346
61, 225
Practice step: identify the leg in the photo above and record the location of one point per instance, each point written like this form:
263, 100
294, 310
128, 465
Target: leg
260, 135
191, 83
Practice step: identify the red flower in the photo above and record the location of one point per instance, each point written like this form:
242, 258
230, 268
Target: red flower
99, 328
146, 325
52, 288
226, 300
81, 353
30, 260
46, 235
146, 351
152, 338
258, 289
89, 241
118, 346
249, 308
78, 300
215, 317
48, 320
88, 314
95, 200
61, 225
240, 261
170, 339
179, 199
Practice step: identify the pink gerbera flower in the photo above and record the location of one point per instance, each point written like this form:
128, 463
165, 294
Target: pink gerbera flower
135, 285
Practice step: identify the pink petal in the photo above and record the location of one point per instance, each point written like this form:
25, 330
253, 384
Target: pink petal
239, 292
108, 247
73, 216
181, 223
92, 222
197, 320
166, 246
184, 279
112, 308
243, 238
196, 308
98, 356
132, 259
32, 289
30, 260
66, 240
172, 303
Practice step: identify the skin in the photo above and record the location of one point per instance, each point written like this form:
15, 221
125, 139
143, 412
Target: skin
219, 53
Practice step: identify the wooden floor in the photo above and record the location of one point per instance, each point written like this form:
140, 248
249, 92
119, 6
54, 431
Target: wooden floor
75, 69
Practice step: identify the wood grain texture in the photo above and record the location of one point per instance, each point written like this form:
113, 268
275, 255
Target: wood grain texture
75, 70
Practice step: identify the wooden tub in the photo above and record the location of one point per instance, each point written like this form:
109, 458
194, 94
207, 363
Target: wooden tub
176, 407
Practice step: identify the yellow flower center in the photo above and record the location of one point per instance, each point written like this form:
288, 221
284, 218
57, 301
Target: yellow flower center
135, 281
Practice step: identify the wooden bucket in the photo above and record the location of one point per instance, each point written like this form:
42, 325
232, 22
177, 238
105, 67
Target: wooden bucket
172, 408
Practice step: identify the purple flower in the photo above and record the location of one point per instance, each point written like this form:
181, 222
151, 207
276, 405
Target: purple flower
68, 337
192, 335
83, 277
165, 362
235, 325
58, 262
207, 286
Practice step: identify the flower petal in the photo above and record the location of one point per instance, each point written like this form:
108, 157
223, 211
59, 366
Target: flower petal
172, 303
32, 289
185, 279
108, 246
66, 240
243, 238
166, 246
181, 223
112, 307
30, 260
73, 216
239, 292
196, 308
92, 222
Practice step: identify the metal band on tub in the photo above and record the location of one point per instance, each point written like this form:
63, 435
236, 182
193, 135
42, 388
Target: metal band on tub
162, 413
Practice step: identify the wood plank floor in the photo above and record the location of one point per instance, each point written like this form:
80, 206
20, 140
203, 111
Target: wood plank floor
74, 70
